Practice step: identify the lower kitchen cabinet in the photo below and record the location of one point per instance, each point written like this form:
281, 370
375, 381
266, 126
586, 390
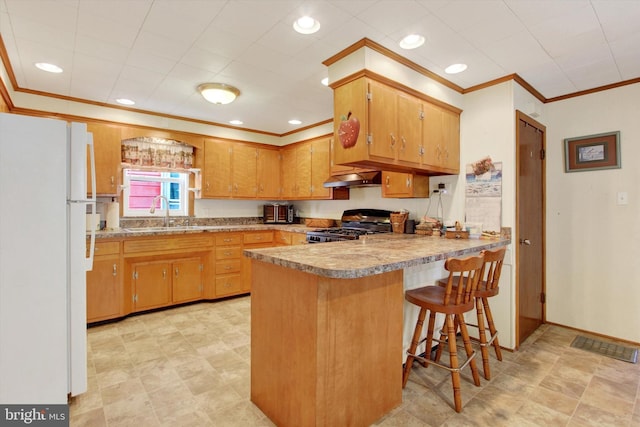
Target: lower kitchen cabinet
288, 238
151, 285
104, 283
253, 240
228, 255
187, 280
144, 273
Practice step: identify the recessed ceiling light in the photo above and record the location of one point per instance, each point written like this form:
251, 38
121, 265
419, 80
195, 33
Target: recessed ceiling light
235, 122
412, 41
306, 25
50, 68
325, 81
125, 101
294, 122
455, 68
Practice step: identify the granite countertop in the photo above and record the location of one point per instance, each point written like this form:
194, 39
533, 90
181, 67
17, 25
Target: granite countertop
372, 255
159, 231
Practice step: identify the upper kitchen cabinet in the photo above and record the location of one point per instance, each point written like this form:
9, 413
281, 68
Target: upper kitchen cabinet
296, 171
305, 167
238, 170
106, 143
268, 173
216, 173
381, 126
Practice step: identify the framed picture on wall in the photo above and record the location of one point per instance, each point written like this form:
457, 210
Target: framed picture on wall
592, 152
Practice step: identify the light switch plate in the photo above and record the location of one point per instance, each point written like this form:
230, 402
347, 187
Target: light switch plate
623, 198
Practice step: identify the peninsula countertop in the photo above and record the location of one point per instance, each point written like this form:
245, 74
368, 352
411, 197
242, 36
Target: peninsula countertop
371, 255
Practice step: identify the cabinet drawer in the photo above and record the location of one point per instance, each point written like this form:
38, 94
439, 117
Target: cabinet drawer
228, 266
260, 237
229, 252
228, 239
282, 237
106, 248
161, 244
228, 284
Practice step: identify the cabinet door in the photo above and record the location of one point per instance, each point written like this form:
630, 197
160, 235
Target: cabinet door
288, 176
409, 128
320, 168
441, 137
151, 285
396, 184
216, 177
404, 185
383, 121
244, 171
451, 143
268, 174
104, 285
107, 150
303, 170
187, 279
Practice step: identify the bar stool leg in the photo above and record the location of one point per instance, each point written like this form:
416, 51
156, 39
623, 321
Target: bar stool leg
482, 335
492, 328
430, 328
453, 361
469, 350
413, 347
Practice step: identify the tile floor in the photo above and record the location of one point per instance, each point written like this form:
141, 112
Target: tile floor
189, 366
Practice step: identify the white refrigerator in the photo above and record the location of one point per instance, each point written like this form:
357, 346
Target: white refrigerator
43, 258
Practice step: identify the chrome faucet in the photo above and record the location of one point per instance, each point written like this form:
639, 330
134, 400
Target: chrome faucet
152, 209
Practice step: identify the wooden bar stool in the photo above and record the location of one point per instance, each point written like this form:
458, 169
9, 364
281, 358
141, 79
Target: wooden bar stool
487, 288
453, 301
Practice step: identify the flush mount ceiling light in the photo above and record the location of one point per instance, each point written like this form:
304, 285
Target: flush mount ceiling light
455, 68
325, 81
235, 122
412, 41
218, 93
50, 68
295, 122
306, 25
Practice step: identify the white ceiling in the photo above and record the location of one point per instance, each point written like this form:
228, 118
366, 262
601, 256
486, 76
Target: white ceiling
157, 51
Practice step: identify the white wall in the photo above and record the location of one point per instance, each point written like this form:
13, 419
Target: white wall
593, 244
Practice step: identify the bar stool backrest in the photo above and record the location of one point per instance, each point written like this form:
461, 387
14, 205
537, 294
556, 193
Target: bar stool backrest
464, 275
492, 267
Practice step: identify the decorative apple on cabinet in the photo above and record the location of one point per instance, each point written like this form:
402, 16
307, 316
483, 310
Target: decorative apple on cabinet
348, 131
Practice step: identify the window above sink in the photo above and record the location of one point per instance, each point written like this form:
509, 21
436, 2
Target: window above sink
142, 187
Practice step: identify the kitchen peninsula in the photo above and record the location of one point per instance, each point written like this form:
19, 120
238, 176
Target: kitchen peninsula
327, 325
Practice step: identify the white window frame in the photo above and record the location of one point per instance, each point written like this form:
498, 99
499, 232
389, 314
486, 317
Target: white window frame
183, 182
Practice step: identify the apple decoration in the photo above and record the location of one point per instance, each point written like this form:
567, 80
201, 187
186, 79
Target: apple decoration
348, 131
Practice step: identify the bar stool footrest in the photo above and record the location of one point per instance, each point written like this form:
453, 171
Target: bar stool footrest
443, 366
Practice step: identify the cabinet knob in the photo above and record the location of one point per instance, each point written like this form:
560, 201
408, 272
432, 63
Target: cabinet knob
176, 271
393, 140
115, 270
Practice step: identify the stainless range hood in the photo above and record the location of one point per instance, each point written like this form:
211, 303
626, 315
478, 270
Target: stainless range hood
360, 179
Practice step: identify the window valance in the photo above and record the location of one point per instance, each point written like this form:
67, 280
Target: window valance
157, 152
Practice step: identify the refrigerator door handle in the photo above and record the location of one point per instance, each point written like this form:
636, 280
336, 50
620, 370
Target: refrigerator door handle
92, 203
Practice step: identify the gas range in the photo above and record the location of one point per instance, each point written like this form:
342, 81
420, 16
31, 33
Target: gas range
355, 223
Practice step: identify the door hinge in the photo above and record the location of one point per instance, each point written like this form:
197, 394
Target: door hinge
135, 274
543, 298
542, 154
369, 96
201, 267
369, 139
135, 298
421, 115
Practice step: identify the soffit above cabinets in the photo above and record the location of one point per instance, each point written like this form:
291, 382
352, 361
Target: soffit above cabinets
158, 52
